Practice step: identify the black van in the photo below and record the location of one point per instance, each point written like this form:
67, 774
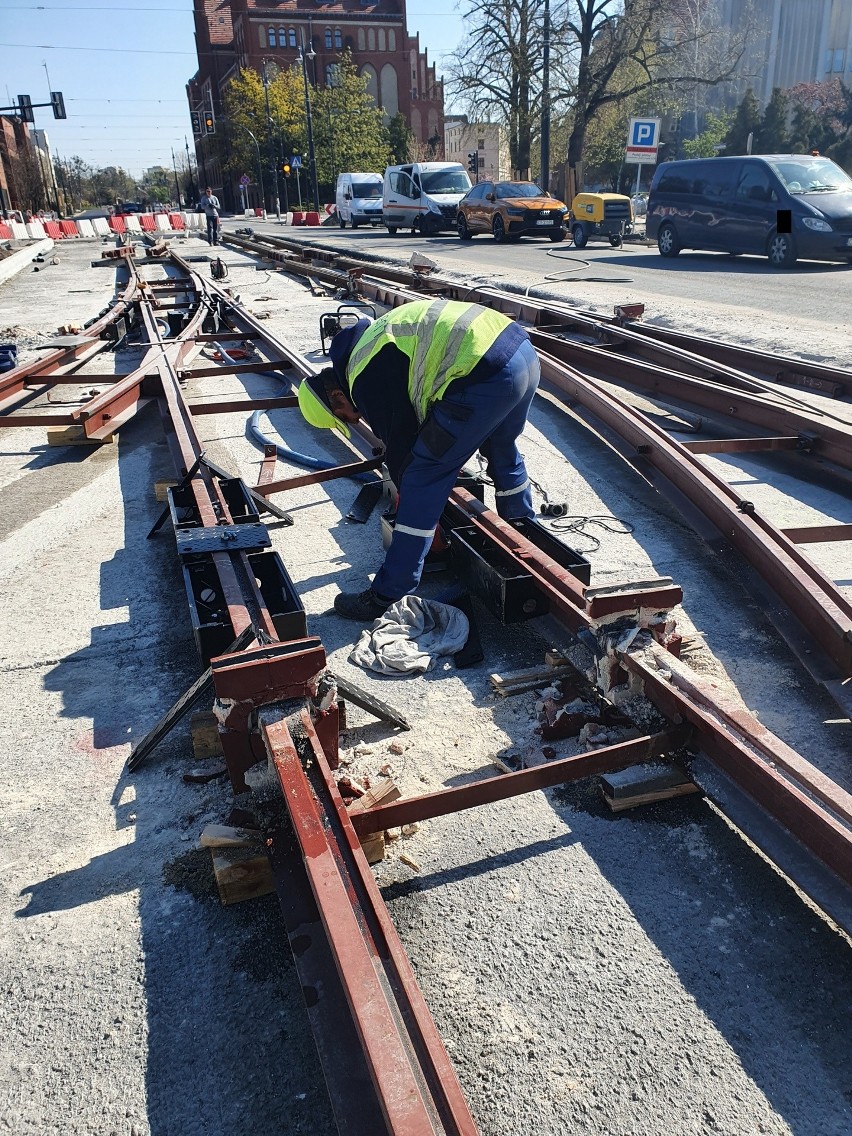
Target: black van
783, 206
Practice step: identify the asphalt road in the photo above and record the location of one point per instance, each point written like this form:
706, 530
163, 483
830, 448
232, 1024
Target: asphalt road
741, 297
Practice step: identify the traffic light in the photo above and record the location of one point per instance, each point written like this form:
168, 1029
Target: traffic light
473, 164
209, 122
25, 107
195, 119
58, 104
285, 169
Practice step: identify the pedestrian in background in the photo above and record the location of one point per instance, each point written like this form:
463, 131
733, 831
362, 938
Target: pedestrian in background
210, 204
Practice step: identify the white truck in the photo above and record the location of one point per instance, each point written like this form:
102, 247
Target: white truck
359, 199
423, 196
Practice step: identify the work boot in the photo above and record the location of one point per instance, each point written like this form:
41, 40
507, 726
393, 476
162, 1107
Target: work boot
364, 606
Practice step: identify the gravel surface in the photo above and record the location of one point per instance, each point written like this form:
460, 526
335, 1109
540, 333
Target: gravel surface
626, 976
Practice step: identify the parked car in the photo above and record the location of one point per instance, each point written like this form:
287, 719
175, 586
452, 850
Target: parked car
359, 199
783, 206
423, 195
510, 209
128, 207
607, 215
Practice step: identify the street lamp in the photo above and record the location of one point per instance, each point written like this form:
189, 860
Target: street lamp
312, 161
271, 143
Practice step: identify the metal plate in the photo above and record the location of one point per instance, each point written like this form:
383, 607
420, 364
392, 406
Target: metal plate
222, 538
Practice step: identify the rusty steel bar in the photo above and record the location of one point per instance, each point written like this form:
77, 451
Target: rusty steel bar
607, 759
818, 534
318, 476
237, 405
742, 445
414, 1080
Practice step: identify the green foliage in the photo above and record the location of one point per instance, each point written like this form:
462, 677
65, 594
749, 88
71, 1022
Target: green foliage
400, 137
157, 184
746, 121
347, 126
348, 130
706, 144
771, 136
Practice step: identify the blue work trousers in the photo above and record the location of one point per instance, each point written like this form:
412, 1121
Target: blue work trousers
488, 416
212, 230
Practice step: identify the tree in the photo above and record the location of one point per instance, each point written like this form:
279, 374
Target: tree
822, 113
746, 121
349, 133
669, 44
771, 136
496, 71
157, 184
712, 138
400, 138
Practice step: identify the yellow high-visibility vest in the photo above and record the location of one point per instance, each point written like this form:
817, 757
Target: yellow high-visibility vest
443, 339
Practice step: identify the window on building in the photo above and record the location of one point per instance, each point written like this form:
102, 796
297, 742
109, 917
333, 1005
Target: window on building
328, 40
262, 34
829, 60
482, 163
362, 40
839, 60
391, 40
272, 37
282, 37
382, 45
338, 38
480, 144
292, 37
332, 75
371, 39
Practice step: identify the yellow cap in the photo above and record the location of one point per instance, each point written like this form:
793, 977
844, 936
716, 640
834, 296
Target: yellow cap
315, 409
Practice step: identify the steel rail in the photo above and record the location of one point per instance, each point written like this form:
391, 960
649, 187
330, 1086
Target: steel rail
737, 367
414, 1081
59, 365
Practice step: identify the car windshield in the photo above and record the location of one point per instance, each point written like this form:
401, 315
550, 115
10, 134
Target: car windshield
517, 189
444, 181
366, 189
815, 175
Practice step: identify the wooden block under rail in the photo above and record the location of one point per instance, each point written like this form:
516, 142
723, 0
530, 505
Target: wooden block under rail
242, 873
204, 730
373, 845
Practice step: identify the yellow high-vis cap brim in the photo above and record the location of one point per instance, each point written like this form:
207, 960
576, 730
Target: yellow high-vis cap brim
315, 409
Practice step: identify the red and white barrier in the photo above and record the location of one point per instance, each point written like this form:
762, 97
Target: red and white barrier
69, 228
132, 224
176, 222
35, 231
54, 230
117, 224
85, 228
161, 220
19, 231
146, 220
5, 232
101, 226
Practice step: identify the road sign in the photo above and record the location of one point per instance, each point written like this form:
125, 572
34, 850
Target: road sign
296, 162
245, 180
643, 137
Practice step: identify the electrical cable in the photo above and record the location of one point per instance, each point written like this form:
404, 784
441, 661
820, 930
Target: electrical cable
566, 273
256, 436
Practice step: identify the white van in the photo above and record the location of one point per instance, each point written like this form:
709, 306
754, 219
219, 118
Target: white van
424, 196
359, 199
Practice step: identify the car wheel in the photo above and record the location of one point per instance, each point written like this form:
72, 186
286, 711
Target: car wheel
781, 251
579, 235
667, 241
498, 230
393, 230
557, 235
341, 222
429, 227
615, 240
461, 228
355, 223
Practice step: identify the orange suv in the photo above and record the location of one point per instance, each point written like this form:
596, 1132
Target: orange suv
510, 209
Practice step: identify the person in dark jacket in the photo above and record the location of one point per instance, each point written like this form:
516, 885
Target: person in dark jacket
436, 380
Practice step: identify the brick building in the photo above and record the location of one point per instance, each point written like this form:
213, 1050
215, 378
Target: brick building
489, 141
21, 178
237, 34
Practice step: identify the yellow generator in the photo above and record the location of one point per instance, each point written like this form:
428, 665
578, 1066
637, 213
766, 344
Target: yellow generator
601, 215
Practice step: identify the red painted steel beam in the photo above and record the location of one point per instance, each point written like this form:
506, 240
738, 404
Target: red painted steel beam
608, 759
819, 534
417, 1098
742, 445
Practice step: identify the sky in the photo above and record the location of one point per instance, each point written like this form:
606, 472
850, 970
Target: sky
122, 69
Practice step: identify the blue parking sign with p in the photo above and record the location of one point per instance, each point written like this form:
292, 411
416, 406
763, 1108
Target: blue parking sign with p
643, 133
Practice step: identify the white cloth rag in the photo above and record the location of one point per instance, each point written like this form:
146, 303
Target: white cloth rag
411, 635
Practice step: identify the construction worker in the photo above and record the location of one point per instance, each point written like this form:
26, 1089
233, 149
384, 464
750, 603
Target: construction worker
209, 204
436, 380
